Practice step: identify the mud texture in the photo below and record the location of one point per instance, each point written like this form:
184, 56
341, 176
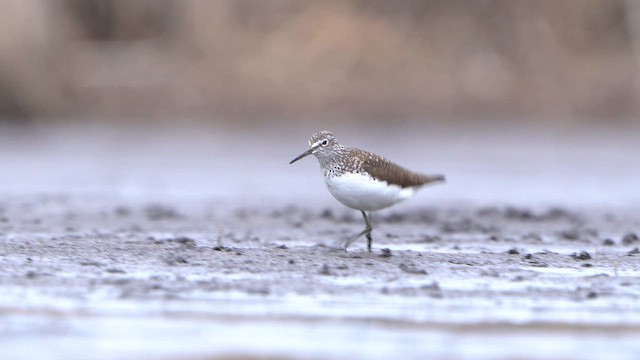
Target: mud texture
209, 279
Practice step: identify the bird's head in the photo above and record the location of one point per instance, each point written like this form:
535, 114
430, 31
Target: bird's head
322, 144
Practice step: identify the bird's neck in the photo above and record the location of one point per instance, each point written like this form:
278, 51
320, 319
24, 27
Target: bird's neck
333, 164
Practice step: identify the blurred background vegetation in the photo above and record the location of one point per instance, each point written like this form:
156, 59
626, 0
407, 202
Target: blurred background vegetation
361, 59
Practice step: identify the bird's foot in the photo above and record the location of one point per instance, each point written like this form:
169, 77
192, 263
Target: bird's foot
345, 243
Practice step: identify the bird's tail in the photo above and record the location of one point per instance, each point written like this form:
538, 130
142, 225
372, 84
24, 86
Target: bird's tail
432, 179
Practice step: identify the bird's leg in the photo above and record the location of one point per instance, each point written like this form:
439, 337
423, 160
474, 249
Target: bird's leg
366, 232
367, 229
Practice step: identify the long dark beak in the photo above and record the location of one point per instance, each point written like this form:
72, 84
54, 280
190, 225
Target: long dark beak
308, 152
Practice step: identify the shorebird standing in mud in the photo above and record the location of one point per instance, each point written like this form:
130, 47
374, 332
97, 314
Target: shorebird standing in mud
363, 180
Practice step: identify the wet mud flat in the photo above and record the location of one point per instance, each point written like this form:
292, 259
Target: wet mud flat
105, 278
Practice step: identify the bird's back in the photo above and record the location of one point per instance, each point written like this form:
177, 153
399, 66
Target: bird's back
386, 170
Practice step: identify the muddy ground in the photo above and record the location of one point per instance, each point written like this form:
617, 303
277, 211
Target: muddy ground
83, 278
131, 253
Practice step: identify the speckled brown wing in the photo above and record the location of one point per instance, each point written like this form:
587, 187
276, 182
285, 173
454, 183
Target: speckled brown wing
386, 170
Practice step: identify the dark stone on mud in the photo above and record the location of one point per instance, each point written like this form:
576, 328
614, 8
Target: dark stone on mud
118, 281
434, 286
325, 270
490, 273
462, 262
326, 214
534, 262
587, 265
546, 252
386, 252
572, 234
608, 242
259, 291
559, 213
394, 218
291, 261
629, 238
122, 211
222, 248
537, 263
184, 241
532, 237
582, 255
409, 269
429, 239
161, 212
513, 251
518, 214
592, 295
283, 247
155, 287
634, 251
116, 271
175, 260
487, 211
91, 263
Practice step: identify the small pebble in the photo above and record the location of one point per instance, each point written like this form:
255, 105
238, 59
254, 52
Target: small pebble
325, 270
386, 252
629, 238
582, 255
412, 269
608, 242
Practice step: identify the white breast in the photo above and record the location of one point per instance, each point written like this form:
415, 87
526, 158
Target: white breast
362, 192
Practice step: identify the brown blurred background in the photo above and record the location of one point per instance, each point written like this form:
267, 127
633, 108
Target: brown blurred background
374, 59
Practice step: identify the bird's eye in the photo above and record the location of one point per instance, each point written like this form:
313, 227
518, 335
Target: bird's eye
324, 142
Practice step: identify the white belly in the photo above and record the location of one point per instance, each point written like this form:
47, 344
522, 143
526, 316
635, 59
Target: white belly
362, 192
